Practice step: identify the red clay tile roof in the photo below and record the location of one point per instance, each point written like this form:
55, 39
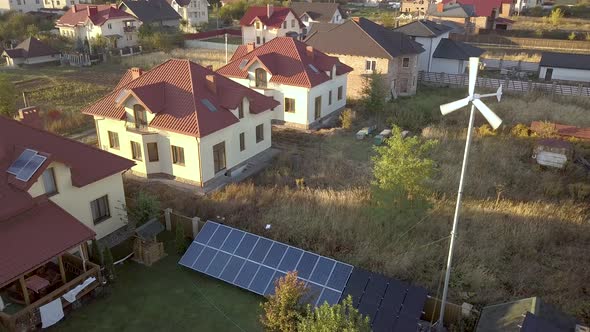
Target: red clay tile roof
482, 7
276, 19
30, 48
36, 236
287, 61
182, 85
79, 14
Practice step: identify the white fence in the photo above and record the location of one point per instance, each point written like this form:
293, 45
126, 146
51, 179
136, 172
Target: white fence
453, 80
500, 64
209, 45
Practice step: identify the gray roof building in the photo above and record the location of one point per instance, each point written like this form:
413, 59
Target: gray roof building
452, 10
317, 11
424, 28
456, 50
150, 11
565, 60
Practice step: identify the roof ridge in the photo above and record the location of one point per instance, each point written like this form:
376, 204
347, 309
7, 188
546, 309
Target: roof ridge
373, 39
190, 74
427, 28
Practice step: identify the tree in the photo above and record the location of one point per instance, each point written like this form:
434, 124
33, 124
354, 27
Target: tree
146, 207
233, 11
285, 309
339, 317
98, 44
402, 164
32, 30
7, 97
108, 262
387, 20
556, 16
96, 256
374, 93
180, 240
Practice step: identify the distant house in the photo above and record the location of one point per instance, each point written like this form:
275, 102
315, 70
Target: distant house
370, 48
323, 12
85, 22
564, 66
419, 7
521, 5
262, 24
194, 12
152, 12
474, 14
183, 121
442, 55
309, 84
31, 52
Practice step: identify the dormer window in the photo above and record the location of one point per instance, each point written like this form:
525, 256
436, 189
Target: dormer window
140, 116
258, 25
260, 78
241, 110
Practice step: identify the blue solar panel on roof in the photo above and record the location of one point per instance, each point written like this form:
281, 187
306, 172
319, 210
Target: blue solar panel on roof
30, 168
21, 161
255, 263
209, 105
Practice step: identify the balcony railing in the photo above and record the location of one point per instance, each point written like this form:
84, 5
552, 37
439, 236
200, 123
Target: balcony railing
129, 28
139, 128
29, 317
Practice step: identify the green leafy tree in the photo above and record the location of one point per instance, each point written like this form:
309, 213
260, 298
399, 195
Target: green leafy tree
375, 93
160, 38
98, 44
342, 317
387, 19
7, 97
285, 309
109, 262
403, 164
32, 30
146, 207
556, 16
96, 256
233, 11
180, 240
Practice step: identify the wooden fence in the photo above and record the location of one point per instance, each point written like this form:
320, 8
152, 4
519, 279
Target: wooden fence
525, 43
555, 88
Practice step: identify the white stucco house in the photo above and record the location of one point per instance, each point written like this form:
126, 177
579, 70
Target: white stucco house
565, 67
25, 6
183, 121
194, 12
262, 24
429, 35
322, 12
309, 84
85, 22
31, 52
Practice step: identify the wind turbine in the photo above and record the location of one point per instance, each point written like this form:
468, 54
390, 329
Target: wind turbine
495, 122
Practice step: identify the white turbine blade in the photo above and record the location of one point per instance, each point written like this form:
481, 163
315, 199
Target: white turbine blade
492, 118
473, 67
453, 106
499, 93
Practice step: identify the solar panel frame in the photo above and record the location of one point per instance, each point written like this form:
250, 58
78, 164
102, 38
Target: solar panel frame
21, 161
252, 256
27, 172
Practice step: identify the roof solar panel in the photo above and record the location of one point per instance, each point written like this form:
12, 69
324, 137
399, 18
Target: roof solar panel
209, 105
21, 161
314, 292
255, 263
414, 302
30, 168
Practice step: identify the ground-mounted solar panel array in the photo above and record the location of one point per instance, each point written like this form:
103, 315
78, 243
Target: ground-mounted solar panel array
533, 323
253, 262
392, 305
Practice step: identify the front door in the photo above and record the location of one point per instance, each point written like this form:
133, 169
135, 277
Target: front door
318, 107
549, 74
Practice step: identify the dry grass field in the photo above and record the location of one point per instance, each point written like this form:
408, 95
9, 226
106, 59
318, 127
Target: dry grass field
539, 23
521, 233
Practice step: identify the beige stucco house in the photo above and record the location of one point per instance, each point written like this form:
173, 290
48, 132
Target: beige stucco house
183, 121
310, 85
375, 49
263, 24
194, 12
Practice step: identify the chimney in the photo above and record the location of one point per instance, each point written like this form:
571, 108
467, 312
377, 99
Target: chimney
74, 9
31, 117
211, 83
309, 50
355, 18
440, 7
250, 47
135, 73
269, 9
92, 10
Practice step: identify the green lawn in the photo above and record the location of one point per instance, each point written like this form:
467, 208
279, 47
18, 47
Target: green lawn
166, 297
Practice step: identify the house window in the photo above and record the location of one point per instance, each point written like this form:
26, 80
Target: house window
289, 105
100, 209
152, 149
177, 155
113, 140
260, 77
110, 26
330, 97
370, 65
49, 182
219, 157
340, 92
318, 107
285, 25
242, 141
264, 40
241, 110
37, 2
135, 151
292, 23
257, 25
259, 133
257, 40
406, 62
140, 116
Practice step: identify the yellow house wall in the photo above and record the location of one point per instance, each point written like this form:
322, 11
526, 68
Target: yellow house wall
76, 201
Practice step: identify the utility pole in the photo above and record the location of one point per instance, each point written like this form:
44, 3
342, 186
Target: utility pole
226, 48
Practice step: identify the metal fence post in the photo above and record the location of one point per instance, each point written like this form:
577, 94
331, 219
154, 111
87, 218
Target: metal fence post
195, 223
167, 213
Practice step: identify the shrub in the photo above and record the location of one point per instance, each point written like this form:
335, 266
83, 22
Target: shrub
346, 118
285, 309
572, 36
486, 130
556, 16
180, 240
7, 97
146, 207
108, 262
339, 317
520, 130
579, 191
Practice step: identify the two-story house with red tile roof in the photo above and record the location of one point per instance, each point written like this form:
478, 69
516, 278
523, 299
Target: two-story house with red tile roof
262, 24
309, 84
183, 121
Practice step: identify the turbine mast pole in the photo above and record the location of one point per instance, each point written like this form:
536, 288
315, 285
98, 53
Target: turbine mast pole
456, 219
